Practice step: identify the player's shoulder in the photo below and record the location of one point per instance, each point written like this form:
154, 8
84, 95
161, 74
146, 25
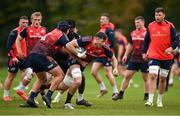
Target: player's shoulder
169, 23
152, 23
111, 26
109, 30
28, 28
133, 32
44, 30
14, 30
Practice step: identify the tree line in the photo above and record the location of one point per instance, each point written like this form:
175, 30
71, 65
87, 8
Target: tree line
85, 12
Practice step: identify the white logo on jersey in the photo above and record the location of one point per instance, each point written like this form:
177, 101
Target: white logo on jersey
43, 31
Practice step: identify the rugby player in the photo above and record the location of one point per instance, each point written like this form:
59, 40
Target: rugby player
108, 28
136, 62
160, 40
31, 34
14, 62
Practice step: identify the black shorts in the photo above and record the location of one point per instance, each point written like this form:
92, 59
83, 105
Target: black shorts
164, 64
13, 68
104, 60
62, 60
40, 63
143, 67
64, 65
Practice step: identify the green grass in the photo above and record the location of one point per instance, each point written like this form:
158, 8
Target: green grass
132, 104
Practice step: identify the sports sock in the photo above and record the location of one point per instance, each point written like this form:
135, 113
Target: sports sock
146, 95
69, 97
49, 94
115, 90
21, 86
6, 93
80, 97
151, 96
32, 95
102, 86
159, 97
82, 86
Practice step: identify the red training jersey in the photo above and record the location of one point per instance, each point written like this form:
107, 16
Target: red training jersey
32, 36
137, 40
160, 40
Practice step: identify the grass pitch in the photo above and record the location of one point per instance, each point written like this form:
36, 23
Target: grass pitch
132, 104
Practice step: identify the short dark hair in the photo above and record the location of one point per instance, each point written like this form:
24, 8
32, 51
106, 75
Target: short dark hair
160, 9
101, 35
71, 22
23, 17
63, 26
139, 17
106, 14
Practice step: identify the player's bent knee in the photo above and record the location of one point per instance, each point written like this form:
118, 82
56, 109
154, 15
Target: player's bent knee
145, 79
107, 74
127, 76
68, 81
152, 76
77, 81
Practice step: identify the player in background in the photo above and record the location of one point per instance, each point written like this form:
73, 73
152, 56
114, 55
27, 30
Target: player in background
160, 40
108, 28
121, 44
175, 69
136, 61
32, 35
14, 62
